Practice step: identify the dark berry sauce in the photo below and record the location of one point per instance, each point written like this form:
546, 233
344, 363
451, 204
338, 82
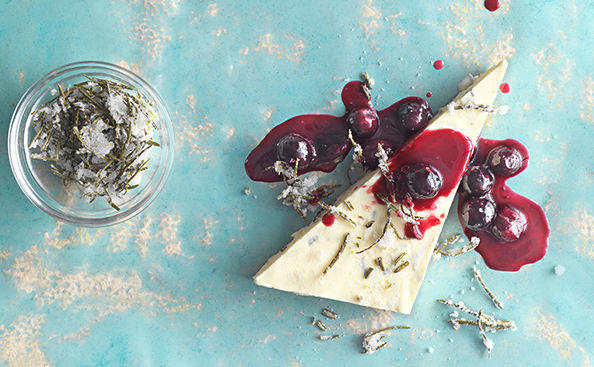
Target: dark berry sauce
447, 152
518, 233
418, 230
320, 142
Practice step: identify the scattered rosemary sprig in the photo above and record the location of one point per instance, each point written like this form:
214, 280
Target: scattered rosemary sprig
367, 80
401, 266
349, 205
374, 341
382, 158
496, 325
399, 257
384, 231
328, 337
334, 211
474, 242
477, 275
450, 240
404, 210
486, 341
320, 325
357, 150
347, 238
498, 110
97, 135
408, 214
301, 194
380, 264
483, 322
459, 305
367, 272
287, 171
329, 313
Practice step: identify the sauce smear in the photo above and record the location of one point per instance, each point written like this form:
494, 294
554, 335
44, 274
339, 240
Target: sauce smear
321, 142
448, 151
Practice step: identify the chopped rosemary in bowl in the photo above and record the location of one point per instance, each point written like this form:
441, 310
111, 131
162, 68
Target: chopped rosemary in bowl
97, 135
91, 144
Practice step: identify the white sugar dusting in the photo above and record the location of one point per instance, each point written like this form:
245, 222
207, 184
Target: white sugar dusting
371, 343
388, 239
559, 270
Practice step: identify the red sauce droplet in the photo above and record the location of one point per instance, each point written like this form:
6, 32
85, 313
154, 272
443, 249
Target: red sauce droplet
504, 88
328, 220
438, 64
492, 5
418, 230
447, 150
429, 94
532, 244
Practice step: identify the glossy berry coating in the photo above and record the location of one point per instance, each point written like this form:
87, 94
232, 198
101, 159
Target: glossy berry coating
478, 213
293, 147
423, 181
478, 180
504, 161
413, 116
399, 185
363, 122
509, 224
370, 159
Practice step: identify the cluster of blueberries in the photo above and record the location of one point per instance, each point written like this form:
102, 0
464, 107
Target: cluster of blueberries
411, 116
479, 211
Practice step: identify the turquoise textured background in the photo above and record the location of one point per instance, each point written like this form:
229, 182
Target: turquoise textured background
172, 287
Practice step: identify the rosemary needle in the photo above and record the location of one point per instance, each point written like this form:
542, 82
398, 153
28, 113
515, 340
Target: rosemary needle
477, 275
347, 238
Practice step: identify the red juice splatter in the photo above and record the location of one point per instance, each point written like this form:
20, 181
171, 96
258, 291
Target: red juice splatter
328, 220
492, 5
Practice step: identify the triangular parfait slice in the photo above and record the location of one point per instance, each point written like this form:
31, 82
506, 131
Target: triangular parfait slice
373, 246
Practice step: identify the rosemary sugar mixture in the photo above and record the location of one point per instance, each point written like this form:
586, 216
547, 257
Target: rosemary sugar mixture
96, 135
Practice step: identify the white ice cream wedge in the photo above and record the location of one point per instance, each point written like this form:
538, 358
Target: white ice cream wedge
328, 261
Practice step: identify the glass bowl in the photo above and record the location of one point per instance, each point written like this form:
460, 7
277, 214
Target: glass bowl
46, 190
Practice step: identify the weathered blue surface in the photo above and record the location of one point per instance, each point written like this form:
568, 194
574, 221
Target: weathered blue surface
172, 287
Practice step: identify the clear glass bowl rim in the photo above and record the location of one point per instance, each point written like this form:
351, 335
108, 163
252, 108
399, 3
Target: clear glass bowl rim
19, 166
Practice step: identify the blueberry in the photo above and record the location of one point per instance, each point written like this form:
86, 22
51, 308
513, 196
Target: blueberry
509, 224
419, 180
363, 122
423, 181
370, 160
478, 213
504, 161
294, 146
477, 180
414, 115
